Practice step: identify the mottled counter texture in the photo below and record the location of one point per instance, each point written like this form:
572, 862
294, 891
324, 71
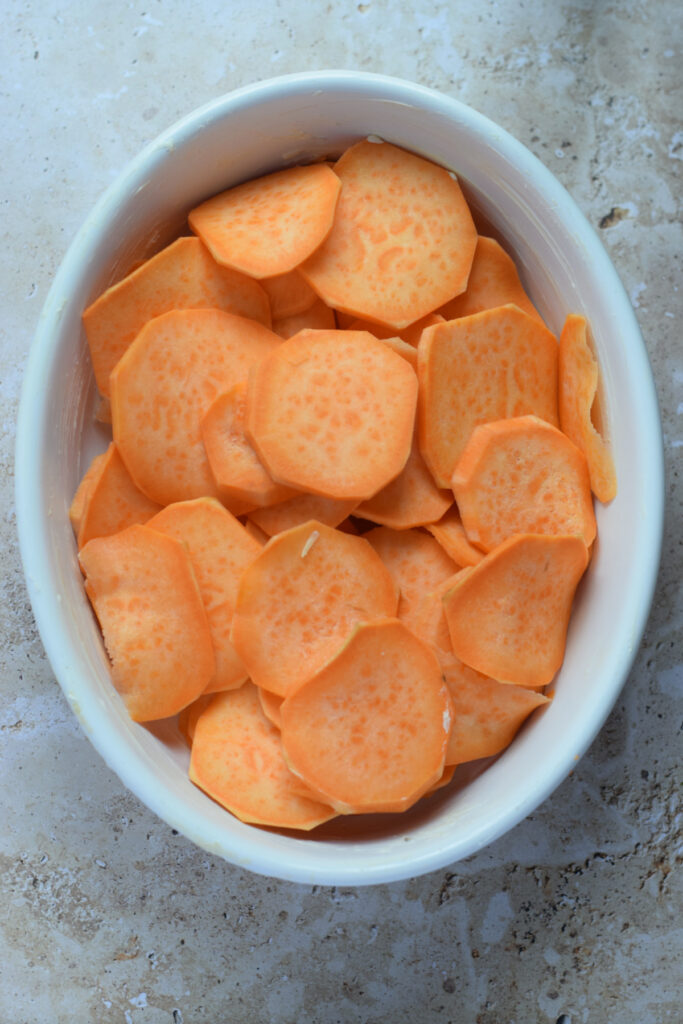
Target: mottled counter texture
106, 915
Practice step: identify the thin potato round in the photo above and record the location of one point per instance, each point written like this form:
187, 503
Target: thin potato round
332, 412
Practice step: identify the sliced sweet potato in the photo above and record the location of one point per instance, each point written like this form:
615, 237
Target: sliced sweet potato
78, 504
220, 549
289, 294
579, 393
332, 412
269, 225
318, 317
237, 759
402, 241
410, 334
142, 587
184, 275
508, 616
187, 718
162, 388
369, 730
270, 705
236, 468
416, 562
412, 499
493, 281
486, 714
428, 621
451, 535
403, 349
299, 510
489, 366
301, 597
522, 476
113, 502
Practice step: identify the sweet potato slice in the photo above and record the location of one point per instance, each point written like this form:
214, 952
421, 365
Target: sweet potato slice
317, 317
184, 275
402, 241
508, 616
428, 621
220, 550
410, 334
579, 392
236, 468
403, 349
301, 597
412, 499
142, 587
113, 502
162, 388
416, 563
451, 535
493, 281
522, 476
187, 718
299, 510
369, 730
237, 759
289, 294
78, 504
271, 705
332, 412
489, 366
269, 225
486, 714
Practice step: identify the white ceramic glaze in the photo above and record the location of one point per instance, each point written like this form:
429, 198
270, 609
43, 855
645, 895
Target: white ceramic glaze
565, 268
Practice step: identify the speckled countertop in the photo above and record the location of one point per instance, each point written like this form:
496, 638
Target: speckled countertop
106, 915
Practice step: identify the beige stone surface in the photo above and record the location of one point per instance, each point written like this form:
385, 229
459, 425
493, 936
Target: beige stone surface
574, 916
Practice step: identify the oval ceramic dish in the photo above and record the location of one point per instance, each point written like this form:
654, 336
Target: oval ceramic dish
241, 135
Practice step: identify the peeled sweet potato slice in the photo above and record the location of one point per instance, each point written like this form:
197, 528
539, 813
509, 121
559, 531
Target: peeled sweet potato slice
162, 388
451, 535
369, 730
289, 294
220, 549
113, 502
402, 241
301, 597
270, 705
184, 275
78, 504
235, 466
142, 587
416, 562
508, 616
489, 366
578, 388
332, 412
187, 718
299, 510
522, 476
268, 226
410, 334
493, 281
486, 714
237, 759
318, 317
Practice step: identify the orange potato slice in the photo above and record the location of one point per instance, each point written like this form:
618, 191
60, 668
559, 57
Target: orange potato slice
113, 502
450, 533
299, 510
318, 317
289, 294
493, 281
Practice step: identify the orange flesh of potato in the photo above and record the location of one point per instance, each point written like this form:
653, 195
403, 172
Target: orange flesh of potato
184, 275
289, 294
220, 549
113, 502
317, 317
489, 366
299, 600
234, 464
412, 499
370, 729
270, 705
578, 388
142, 587
411, 334
402, 241
299, 510
522, 476
332, 412
78, 504
450, 533
187, 718
508, 617
416, 563
268, 226
486, 714
162, 388
237, 760
493, 281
